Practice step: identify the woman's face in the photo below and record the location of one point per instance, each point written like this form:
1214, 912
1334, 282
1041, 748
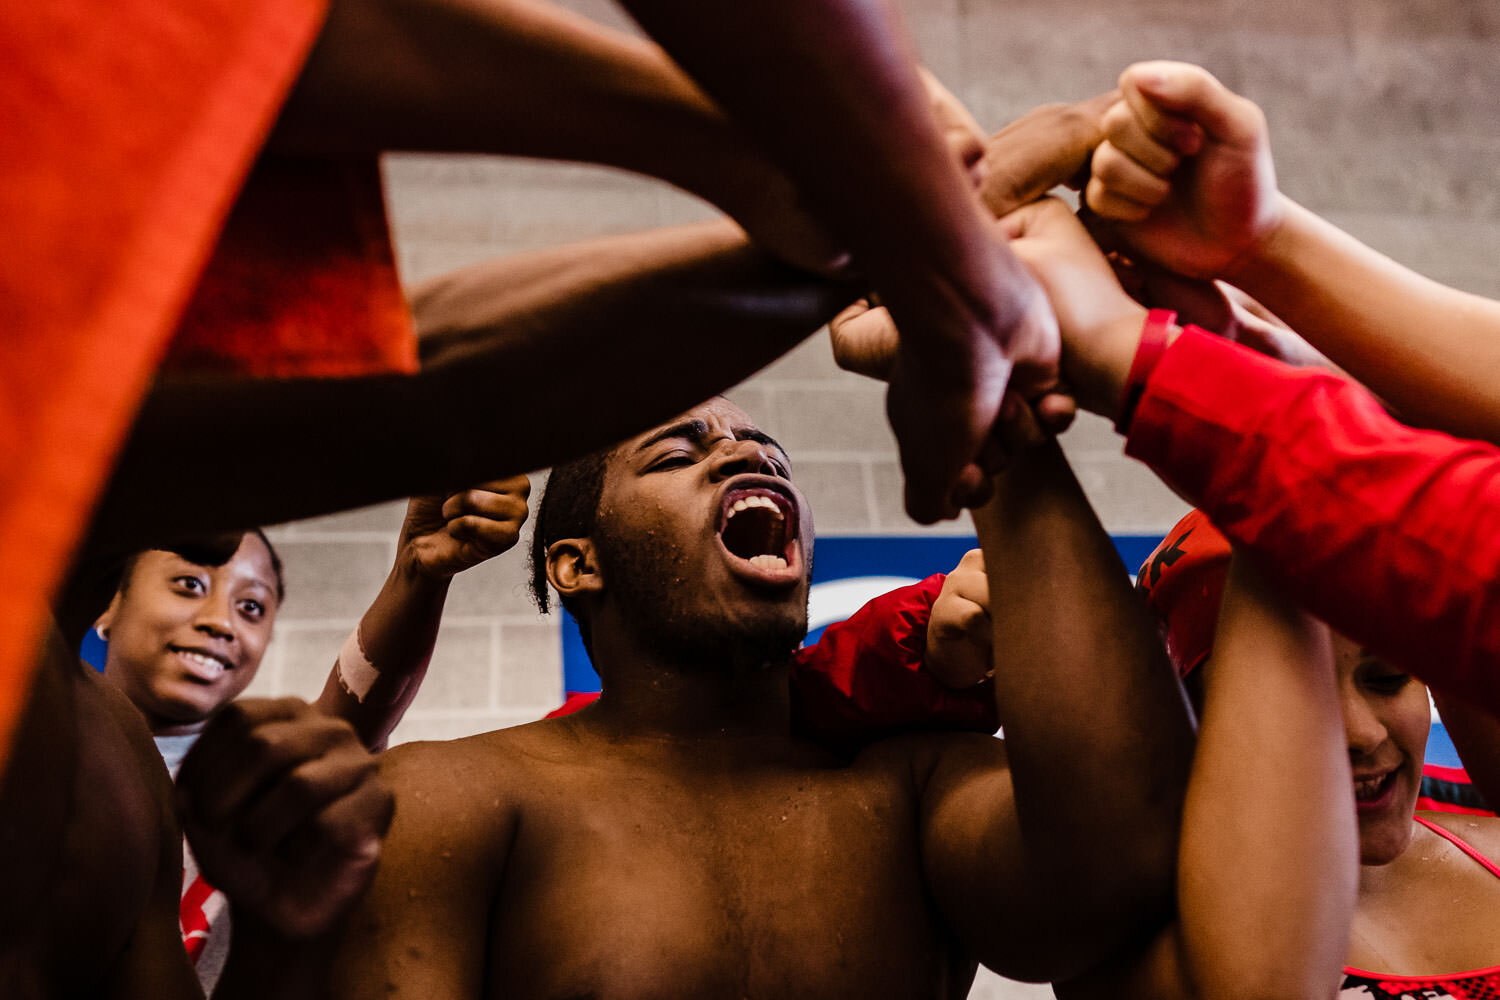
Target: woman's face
1386, 722
186, 639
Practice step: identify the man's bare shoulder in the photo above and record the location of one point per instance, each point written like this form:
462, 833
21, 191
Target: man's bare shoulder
923, 754
492, 763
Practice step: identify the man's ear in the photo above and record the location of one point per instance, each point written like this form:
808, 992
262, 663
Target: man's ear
572, 567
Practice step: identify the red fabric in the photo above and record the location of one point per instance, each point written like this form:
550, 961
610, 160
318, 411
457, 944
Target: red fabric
302, 281
863, 679
1449, 789
575, 701
1183, 582
128, 128
1148, 352
191, 919
1389, 534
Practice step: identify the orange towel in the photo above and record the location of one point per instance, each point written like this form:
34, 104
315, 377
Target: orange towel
129, 127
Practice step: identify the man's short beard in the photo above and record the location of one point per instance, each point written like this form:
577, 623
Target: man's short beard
645, 581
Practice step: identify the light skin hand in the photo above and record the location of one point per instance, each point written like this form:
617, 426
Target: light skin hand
285, 813
1100, 323
445, 535
1186, 169
1219, 307
960, 638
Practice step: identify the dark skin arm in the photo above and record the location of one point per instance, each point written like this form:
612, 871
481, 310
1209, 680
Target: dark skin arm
1044, 868
684, 311
531, 79
845, 114
1270, 851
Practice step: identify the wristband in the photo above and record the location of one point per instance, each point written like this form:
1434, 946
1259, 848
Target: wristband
1147, 353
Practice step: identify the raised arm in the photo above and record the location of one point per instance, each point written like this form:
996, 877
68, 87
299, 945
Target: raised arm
830, 90
1187, 169
384, 660
675, 314
1045, 867
532, 79
1389, 534
1269, 859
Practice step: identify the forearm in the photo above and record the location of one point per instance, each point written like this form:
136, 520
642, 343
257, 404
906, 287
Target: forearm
830, 90
1270, 855
507, 76
669, 317
381, 667
1430, 351
1096, 728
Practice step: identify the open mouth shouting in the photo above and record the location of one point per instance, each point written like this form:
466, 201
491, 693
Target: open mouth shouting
758, 529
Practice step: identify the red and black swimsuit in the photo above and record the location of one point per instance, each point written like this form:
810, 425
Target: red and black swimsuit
1480, 984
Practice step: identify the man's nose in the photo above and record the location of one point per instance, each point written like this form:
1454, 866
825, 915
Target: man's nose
736, 458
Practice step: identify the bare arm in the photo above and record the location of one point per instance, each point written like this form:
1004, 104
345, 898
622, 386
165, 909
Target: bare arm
1187, 169
1430, 351
383, 662
830, 90
685, 312
531, 79
1045, 871
1270, 853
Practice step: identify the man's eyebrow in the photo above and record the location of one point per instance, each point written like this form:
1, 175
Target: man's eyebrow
691, 430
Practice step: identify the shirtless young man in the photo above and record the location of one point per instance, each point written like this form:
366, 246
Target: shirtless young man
675, 840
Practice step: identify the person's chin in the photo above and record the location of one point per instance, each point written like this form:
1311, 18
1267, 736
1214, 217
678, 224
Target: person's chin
187, 702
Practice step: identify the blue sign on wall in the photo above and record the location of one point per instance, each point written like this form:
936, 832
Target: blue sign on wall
847, 572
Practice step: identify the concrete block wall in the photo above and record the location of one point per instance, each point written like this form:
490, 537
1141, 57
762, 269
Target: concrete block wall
1383, 115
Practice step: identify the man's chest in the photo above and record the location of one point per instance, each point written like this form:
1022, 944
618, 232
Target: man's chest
806, 887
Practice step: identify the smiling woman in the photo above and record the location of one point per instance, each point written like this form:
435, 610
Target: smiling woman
186, 636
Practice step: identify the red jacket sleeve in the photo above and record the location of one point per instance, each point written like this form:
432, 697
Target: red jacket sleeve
864, 678
1389, 534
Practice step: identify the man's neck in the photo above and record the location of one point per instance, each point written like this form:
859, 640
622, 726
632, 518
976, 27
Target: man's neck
712, 699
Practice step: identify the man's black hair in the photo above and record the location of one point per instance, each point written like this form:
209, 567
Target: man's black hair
211, 550
567, 509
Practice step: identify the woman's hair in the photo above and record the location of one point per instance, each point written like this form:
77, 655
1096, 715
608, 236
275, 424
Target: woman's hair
210, 550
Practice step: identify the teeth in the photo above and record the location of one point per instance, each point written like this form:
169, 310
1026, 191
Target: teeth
756, 500
768, 562
207, 661
1368, 788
